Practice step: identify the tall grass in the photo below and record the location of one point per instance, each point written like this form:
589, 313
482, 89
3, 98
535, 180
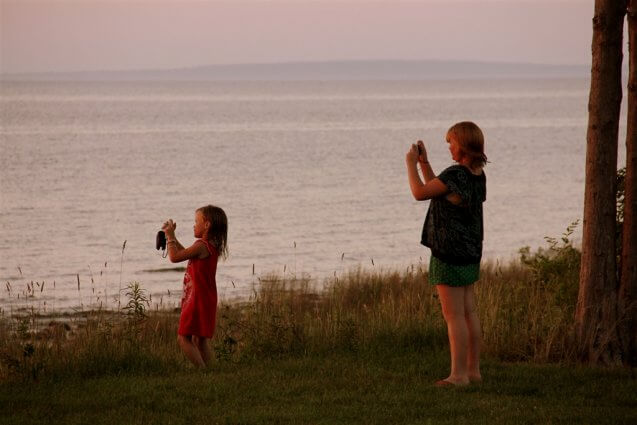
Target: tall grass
526, 309
361, 310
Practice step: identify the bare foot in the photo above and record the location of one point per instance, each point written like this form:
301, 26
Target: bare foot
475, 379
449, 382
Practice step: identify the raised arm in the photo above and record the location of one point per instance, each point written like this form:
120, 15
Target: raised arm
423, 160
176, 251
432, 187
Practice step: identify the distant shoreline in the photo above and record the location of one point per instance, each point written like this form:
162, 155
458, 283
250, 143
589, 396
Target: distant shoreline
363, 70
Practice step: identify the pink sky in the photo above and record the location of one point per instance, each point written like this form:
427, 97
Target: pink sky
62, 35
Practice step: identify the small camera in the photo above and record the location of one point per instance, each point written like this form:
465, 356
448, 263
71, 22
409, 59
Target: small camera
160, 240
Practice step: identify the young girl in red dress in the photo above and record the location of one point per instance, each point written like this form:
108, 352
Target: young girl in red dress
199, 300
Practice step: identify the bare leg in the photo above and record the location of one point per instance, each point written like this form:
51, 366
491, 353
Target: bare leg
204, 349
190, 350
473, 326
453, 304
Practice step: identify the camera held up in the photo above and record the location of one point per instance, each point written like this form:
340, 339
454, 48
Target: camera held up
160, 240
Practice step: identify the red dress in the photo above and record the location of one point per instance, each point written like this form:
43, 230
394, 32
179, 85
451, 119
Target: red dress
199, 300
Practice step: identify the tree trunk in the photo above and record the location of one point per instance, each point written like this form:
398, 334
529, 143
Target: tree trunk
596, 316
628, 284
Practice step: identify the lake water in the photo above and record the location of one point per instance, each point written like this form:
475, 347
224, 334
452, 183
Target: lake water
311, 175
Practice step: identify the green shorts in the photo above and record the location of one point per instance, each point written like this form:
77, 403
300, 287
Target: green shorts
441, 273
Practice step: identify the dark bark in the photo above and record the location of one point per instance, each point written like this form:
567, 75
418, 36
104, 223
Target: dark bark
596, 317
628, 283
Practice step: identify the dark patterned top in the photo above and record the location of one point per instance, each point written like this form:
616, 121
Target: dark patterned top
455, 232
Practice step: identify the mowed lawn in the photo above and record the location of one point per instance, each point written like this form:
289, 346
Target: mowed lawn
340, 387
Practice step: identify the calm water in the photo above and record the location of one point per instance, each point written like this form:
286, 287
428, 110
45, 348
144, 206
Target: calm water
311, 175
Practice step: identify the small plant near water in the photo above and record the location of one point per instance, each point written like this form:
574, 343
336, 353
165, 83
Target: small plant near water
137, 302
135, 311
557, 267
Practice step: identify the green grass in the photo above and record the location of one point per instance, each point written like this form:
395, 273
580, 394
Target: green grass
341, 387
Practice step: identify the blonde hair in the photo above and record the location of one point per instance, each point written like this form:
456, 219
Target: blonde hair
471, 142
218, 231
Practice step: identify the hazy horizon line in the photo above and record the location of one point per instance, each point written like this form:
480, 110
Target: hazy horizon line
296, 62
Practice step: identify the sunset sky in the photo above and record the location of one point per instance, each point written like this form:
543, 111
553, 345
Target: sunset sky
63, 35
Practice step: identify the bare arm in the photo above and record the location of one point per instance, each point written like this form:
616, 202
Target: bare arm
178, 245
176, 251
432, 187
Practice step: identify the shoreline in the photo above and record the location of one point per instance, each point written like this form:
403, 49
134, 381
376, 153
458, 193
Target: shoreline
37, 304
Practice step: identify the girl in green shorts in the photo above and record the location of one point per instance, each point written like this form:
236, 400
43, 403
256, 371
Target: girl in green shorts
453, 230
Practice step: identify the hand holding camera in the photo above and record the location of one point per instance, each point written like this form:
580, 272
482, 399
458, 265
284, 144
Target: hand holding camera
417, 153
169, 228
167, 232
422, 152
